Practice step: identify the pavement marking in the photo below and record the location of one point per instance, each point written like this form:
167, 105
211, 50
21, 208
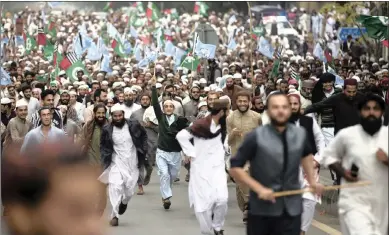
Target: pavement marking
325, 228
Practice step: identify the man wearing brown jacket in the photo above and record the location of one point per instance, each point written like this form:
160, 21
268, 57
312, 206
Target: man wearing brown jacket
231, 90
239, 123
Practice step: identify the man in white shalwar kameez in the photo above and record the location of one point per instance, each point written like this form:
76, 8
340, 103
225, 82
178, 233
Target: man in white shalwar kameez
363, 210
208, 191
123, 150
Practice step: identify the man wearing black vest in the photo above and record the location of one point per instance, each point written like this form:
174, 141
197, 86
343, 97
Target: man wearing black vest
317, 142
275, 152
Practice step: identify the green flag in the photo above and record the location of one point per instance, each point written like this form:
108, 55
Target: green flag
48, 51
191, 63
118, 48
42, 78
72, 71
153, 12
30, 44
376, 26
274, 70
108, 6
201, 8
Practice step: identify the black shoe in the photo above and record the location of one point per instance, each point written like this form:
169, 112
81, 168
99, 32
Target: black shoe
213, 215
177, 179
122, 208
221, 232
187, 177
166, 203
114, 222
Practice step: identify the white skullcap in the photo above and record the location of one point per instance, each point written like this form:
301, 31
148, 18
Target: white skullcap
116, 68
207, 89
61, 73
5, 101
128, 90
203, 81
158, 85
83, 87
160, 79
136, 88
117, 107
168, 102
356, 78
237, 76
201, 104
20, 103
116, 84
104, 83
279, 81
115, 73
219, 89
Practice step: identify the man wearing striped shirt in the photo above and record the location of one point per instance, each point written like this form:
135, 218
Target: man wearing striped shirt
47, 97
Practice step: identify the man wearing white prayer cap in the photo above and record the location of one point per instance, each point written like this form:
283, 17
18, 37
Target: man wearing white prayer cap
129, 104
123, 152
17, 127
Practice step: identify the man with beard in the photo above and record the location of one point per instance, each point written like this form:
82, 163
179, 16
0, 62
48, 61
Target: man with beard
231, 90
257, 105
123, 151
362, 210
17, 127
384, 85
64, 98
306, 93
190, 108
44, 190
129, 105
239, 123
57, 97
45, 132
316, 140
33, 103
90, 141
275, 169
152, 137
208, 192
91, 134
99, 97
47, 97
343, 106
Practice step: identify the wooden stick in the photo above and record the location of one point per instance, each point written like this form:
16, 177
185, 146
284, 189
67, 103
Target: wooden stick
326, 188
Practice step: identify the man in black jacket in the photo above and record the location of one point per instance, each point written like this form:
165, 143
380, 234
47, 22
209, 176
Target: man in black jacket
123, 150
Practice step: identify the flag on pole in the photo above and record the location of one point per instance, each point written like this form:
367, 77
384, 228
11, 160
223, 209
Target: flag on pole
191, 63
172, 12
71, 72
108, 6
41, 38
265, 48
30, 44
376, 26
118, 48
201, 8
152, 12
70, 59
5, 78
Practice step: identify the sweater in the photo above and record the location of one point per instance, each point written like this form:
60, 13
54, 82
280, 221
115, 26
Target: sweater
167, 133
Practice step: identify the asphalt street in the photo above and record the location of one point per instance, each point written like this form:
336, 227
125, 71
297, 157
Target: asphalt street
145, 214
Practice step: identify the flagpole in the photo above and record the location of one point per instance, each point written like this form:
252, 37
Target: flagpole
252, 43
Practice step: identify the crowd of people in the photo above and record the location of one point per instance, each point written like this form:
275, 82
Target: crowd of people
268, 131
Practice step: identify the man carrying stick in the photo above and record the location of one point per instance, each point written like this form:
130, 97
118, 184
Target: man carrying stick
360, 152
275, 169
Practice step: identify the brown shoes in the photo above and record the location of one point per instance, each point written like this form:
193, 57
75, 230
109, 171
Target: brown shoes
114, 222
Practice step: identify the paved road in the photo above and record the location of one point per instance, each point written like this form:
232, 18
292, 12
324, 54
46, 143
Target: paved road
145, 215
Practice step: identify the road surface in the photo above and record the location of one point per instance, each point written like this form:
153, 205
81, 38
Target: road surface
145, 214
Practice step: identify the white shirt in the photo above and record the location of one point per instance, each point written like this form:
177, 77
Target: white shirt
352, 145
129, 110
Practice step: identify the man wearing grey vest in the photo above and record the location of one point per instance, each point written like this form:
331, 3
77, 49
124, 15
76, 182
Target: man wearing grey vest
275, 152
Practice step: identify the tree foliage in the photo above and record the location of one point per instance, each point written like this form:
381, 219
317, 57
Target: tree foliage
346, 12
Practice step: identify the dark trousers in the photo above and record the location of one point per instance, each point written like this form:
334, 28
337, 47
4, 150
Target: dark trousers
273, 225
